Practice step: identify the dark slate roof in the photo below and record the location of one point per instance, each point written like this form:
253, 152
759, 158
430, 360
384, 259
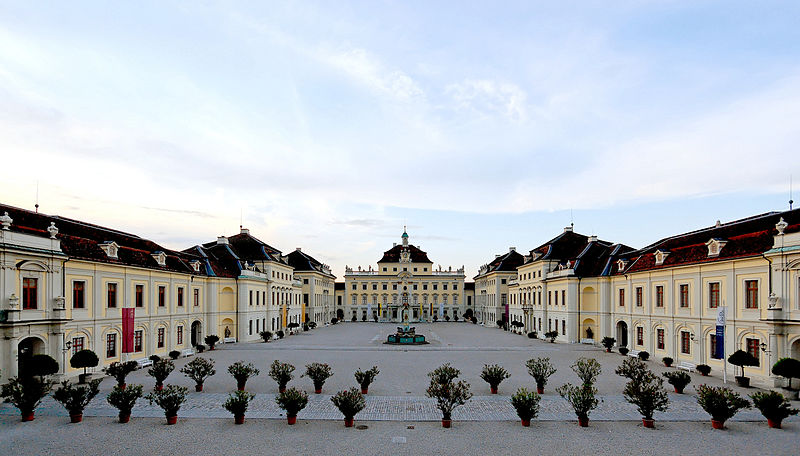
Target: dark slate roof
748, 237
302, 261
81, 240
393, 255
575, 251
338, 286
228, 260
469, 286
507, 262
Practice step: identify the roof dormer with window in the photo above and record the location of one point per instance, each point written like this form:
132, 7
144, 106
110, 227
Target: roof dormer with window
660, 256
111, 249
621, 264
195, 264
715, 245
160, 257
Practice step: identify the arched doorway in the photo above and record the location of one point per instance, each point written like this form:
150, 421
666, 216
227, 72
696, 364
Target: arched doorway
197, 333
26, 349
588, 328
622, 334
795, 349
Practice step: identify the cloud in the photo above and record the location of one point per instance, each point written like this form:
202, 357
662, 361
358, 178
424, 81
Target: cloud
489, 97
367, 69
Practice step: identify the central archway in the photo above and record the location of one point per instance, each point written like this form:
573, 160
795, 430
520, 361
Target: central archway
197, 333
26, 349
622, 334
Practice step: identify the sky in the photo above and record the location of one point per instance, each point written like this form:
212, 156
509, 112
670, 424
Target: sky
332, 125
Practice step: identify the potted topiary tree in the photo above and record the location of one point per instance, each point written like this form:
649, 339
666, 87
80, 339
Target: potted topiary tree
120, 371
552, 335
721, 403
678, 379
200, 348
242, 372
526, 403
587, 369
281, 373
154, 358
540, 369
742, 358
160, 371
532, 335
365, 378
667, 361
623, 351
448, 393
199, 369
237, 404
494, 374
292, 400
643, 355
26, 393
318, 373
608, 342
84, 359
211, 340
788, 368
583, 400
174, 354
266, 336
76, 398
704, 369
170, 399
647, 393
773, 406
124, 400
280, 334
349, 402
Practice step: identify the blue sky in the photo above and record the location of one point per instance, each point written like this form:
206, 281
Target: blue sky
330, 125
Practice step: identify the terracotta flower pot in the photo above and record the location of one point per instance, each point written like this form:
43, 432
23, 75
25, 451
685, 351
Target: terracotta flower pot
198, 388
364, 390
240, 386
526, 423
678, 390
159, 387
291, 419
75, 417
124, 417
282, 389
446, 423
648, 423
775, 424
583, 421
27, 416
539, 389
716, 424
608, 350
494, 389
348, 422
172, 419
122, 385
238, 419
318, 391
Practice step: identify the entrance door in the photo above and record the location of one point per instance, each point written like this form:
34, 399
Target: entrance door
196, 333
622, 334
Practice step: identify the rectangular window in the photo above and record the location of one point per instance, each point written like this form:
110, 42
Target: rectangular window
622, 297
160, 337
29, 293
660, 339
435, 286
162, 296
111, 345
684, 295
556, 298
712, 345
563, 327
685, 341
77, 344
139, 295
639, 335
563, 297
549, 299
112, 295
197, 298
250, 325
179, 337
78, 295
251, 297
751, 294
753, 347
713, 295
180, 296
659, 296
137, 340
639, 298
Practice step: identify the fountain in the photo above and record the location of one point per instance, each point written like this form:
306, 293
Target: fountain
405, 334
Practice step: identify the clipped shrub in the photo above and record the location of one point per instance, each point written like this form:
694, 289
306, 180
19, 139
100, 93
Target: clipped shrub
667, 361
26, 393
292, 401
318, 373
643, 355
448, 393
160, 371
334, 320
526, 403
211, 340
237, 403
199, 369
349, 402
608, 343
266, 336
280, 334
773, 406
174, 354
552, 335
39, 366
743, 359
623, 351
242, 372
583, 400
532, 335
170, 399
120, 371
281, 373
474, 320
76, 398
787, 368
365, 378
587, 369
124, 400
540, 369
720, 402
200, 348
84, 359
494, 374
704, 369
678, 379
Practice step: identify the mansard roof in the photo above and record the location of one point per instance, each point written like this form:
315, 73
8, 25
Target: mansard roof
82, 240
393, 255
302, 261
587, 256
507, 262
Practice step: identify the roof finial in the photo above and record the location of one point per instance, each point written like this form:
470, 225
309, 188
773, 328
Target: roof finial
36, 206
790, 192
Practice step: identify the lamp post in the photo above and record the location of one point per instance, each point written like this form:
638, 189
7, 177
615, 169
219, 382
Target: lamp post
67, 345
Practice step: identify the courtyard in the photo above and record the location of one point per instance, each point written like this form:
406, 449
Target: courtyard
398, 415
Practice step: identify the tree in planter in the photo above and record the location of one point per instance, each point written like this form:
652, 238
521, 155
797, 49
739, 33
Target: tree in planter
608, 342
237, 404
583, 400
84, 359
500, 323
552, 335
292, 401
448, 393
124, 400
643, 355
211, 340
312, 324
242, 372
154, 358
623, 351
266, 336
494, 374
280, 334
532, 335
540, 369
281, 373
199, 369
667, 361
353, 319
474, 320
526, 403
160, 371
174, 354
318, 373
646, 392
632, 369
721, 403
170, 399
678, 379
76, 398
120, 371
334, 320
587, 369
742, 358
704, 369
39, 366
365, 378
26, 393
349, 402
787, 368
200, 348
773, 406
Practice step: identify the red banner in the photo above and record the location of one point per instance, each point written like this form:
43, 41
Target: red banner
127, 330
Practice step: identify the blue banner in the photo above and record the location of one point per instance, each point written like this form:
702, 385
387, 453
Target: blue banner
720, 352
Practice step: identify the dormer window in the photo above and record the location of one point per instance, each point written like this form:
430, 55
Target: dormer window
160, 257
660, 256
195, 265
621, 265
715, 245
110, 248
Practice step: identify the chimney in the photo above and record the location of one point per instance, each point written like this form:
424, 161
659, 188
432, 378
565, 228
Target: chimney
593, 238
498, 256
222, 240
244, 231
568, 229
394, 244
298, 249
512, 249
